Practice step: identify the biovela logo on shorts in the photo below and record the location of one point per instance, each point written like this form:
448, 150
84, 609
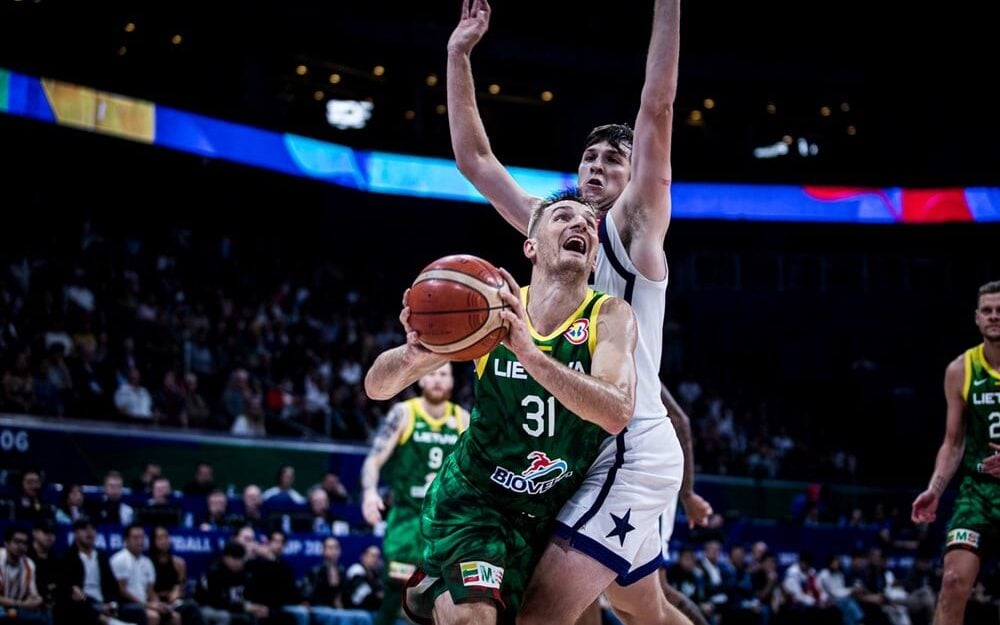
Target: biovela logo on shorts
542, 474
967, 538
481, 574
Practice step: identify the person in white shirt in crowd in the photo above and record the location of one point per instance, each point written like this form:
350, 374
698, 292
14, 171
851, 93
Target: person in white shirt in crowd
803, 591
111, 509
136, 576
19, 596
286, 480
831, 580
133, 400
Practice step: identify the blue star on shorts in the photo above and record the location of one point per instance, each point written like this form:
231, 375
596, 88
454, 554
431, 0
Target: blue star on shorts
622, 526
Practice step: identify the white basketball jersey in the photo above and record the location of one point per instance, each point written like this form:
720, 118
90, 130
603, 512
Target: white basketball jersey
616, 275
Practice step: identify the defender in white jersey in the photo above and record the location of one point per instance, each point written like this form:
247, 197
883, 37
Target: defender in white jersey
609, 539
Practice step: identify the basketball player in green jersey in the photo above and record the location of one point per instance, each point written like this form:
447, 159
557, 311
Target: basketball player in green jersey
412, 443
972, 438
545, 400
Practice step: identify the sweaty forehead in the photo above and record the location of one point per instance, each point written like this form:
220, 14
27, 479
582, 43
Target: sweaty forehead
991, 300
571, 206
604, 147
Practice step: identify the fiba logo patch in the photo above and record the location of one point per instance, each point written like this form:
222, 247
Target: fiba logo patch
579, 332
963, 538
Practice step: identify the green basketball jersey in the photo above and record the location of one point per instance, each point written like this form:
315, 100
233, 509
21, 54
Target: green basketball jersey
982, 412
524, 450
422, 447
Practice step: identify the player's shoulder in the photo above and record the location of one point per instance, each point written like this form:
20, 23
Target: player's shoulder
957, 364
400, 410
616, 309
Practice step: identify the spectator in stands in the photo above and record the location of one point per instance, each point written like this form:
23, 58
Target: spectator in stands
271, 580
88, 593
144, 484
196, 410
363, 585
169, 402
236, 397
882, 581
251, 421
203, 482
216, 517
766, 585
252, 512
869, 598
132, 400
19, 595
324, 590
221, 592
713, 580
171, 578
742, 606
29, 506
57, 376
284, 488
40, 552
323, 520
335, 489
18, 386
70, 505
686, 577
832, 581
803, 593
325, 581
92, 382
757, 552
136, 575
922, 584
160, 508
111, 509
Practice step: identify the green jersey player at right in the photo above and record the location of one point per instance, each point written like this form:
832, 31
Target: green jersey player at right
972, 439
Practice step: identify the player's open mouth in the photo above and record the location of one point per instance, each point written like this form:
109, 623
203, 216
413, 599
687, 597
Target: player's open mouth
594, 182
576, 244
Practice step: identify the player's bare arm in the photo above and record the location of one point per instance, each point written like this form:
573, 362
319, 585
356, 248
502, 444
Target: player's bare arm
696, 508
385, 441
642, 213
473, 153
605, 396
401, 366
950, 454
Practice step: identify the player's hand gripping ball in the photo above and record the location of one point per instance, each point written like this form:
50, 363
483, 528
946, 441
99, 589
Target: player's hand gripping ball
455, 307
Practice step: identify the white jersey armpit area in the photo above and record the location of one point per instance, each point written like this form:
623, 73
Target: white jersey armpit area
615, 515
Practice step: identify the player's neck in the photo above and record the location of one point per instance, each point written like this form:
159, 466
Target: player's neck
433, 410
991, 352
552, 302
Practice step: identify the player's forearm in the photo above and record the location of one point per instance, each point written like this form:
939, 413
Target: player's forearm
948, 458
396, 369
369, 477
591, 399
469, 140
660, 86
682, 426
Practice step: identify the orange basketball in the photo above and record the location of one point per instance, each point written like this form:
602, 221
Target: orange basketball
455, 307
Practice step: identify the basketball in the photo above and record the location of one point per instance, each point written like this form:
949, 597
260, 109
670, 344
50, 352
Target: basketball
455, 307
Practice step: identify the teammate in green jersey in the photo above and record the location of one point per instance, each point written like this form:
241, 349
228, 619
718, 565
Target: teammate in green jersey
972, 438
545, 399
411, 444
